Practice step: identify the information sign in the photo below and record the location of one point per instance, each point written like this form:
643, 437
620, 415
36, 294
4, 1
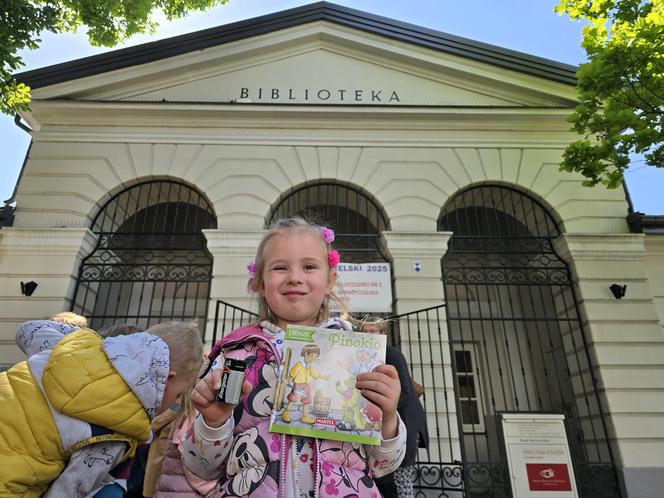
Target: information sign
538, 455
365, 287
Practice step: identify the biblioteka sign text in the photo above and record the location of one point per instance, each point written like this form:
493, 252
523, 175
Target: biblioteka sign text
318, 95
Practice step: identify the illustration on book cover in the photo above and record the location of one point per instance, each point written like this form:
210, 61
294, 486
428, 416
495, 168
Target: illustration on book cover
316, 394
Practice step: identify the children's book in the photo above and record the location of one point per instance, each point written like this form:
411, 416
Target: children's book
316, 394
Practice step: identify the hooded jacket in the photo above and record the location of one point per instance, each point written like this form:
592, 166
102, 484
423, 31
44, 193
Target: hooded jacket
76, 389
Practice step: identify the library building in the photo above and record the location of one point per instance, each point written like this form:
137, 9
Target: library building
529, 308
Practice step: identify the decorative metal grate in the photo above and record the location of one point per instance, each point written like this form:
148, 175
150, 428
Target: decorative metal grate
356, 218
422, 338
517, 343
150, 263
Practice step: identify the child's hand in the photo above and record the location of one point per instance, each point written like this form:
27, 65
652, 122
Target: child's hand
204, 398
382, 388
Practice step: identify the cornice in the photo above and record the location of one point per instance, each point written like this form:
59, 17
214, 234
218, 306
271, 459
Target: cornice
52, 241
416, 244
600, 247
233, 242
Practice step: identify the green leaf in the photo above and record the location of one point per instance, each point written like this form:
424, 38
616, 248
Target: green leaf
108, 22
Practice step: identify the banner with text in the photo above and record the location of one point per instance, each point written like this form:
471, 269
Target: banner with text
365, 287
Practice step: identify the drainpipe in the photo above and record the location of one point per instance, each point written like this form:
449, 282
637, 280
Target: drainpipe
634, 218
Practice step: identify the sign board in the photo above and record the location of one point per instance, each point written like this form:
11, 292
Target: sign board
365, 287
538, 455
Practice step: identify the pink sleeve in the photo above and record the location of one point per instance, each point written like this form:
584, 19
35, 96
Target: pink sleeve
200, 485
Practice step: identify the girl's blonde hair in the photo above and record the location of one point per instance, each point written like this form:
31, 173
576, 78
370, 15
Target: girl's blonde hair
185, 346
287, 226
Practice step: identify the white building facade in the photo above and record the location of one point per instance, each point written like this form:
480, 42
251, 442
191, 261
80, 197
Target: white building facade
154, 171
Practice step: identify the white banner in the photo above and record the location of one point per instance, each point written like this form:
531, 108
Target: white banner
365, 287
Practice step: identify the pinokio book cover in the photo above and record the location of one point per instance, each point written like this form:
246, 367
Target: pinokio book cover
316, 394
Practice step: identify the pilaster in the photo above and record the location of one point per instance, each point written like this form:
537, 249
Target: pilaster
231, 249
416, 268
50, 257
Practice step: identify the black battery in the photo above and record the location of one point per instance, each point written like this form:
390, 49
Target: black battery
231, 381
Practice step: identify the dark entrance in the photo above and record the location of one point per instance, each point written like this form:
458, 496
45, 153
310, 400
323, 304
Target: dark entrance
150, 263
517, 342
356, 218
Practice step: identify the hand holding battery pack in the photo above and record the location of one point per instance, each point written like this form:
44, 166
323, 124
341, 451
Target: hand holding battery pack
204, 397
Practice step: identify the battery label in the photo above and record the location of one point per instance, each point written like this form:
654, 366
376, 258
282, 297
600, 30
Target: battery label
231, 381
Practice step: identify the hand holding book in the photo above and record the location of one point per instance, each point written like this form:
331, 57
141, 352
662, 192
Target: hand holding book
333, 384
382, 387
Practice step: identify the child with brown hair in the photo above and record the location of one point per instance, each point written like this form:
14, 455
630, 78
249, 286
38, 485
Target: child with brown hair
80, 404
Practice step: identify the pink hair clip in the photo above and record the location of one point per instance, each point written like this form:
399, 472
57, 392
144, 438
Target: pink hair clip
251, 268
327, 234
333, 258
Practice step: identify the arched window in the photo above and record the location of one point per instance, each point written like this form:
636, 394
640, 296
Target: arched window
356, 218
150, 263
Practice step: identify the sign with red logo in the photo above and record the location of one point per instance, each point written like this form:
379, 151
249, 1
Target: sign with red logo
548, 477
538, 455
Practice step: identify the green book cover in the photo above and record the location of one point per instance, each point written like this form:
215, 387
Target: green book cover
316, 394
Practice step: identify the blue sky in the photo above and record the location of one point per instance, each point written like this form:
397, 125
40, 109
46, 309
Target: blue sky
528, 26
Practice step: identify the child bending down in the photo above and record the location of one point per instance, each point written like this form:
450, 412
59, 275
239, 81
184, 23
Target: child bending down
80, 404
294, 276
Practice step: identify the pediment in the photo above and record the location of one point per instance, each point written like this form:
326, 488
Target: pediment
317, 63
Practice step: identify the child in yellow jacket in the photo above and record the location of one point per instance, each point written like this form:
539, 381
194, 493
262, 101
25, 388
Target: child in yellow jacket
102, 395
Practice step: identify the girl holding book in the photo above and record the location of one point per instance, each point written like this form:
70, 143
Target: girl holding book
293, 276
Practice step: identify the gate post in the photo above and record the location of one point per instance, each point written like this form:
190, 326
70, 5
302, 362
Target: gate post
626, 345
231, 250
416, 286
424, 340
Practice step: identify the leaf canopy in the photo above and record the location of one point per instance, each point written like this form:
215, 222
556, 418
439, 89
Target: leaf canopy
621, 88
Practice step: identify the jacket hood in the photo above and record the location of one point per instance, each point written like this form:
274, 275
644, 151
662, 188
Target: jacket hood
142, 361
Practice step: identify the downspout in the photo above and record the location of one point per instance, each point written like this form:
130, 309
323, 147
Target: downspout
634, 218
628, 197
7, 211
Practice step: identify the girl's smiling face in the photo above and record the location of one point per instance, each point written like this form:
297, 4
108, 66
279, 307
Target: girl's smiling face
296, 277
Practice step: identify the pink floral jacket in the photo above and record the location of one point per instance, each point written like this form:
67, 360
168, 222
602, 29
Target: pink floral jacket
248, 460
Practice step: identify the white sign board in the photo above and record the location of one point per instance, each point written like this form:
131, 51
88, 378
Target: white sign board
538, 456
365, 287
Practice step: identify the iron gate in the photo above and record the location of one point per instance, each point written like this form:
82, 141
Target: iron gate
150, 263
422, 338
517, 343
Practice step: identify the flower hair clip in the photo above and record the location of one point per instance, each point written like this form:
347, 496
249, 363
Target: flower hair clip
327, 234
251, 269
333, 258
